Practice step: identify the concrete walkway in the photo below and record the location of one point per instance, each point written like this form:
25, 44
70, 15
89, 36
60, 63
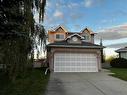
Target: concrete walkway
85, 84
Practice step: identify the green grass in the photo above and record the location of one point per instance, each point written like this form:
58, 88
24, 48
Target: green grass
119, 73
34, 83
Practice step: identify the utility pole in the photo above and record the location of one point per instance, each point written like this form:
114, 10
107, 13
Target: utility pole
102, 56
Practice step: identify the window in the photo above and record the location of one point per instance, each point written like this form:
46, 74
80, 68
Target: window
124, 55
59, 36
86, 37
75, 39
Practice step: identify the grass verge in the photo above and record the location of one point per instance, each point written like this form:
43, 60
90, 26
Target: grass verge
120, 73
34, 83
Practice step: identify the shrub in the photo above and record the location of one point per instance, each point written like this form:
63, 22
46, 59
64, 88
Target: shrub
119, 63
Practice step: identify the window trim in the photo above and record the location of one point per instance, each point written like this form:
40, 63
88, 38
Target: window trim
59, 38
86, 37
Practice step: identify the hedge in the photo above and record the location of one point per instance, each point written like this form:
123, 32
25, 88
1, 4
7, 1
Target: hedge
119, 63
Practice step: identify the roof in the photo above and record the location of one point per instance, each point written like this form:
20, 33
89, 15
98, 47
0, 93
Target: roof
74, 35
60, 26
122, 50
88, 29
68, 32
65, 44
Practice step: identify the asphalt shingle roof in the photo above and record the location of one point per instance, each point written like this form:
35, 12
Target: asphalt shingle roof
80, 45
122, 50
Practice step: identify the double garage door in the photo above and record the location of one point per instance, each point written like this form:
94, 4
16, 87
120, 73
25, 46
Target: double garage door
75, 62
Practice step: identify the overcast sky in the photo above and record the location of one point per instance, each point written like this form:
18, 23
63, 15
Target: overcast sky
108, 18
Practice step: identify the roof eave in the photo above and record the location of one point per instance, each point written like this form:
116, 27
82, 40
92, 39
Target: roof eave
74, 35
71, 46
118, 51
61, 27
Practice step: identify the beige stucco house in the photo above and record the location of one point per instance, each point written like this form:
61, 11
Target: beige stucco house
73, 51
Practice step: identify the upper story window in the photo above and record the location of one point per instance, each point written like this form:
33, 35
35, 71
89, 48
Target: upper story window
86, 37
59, 36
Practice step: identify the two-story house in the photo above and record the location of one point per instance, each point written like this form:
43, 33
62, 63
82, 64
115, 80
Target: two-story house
73, 51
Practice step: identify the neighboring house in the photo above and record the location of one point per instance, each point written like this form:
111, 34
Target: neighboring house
73, 51
122, 52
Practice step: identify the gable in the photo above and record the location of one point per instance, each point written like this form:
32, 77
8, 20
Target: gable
60, 29
87, 30
75, 38
86, 36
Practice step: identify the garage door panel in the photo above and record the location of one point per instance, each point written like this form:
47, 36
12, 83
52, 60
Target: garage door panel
67, 69
75, 62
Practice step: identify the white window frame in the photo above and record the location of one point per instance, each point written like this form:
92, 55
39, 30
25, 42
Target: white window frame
86, 37
124, 55
60, 38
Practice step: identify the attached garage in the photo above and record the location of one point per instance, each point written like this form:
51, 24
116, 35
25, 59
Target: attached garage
74, 55
75, 62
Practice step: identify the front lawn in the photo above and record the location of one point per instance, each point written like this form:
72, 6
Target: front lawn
34, 83
119, 73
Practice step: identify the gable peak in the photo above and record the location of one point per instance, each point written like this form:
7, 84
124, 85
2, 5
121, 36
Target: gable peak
62, 27
88, 29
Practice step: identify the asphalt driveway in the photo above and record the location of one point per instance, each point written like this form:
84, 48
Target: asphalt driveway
85, 84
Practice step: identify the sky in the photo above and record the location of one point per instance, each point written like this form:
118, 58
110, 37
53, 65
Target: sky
107, 18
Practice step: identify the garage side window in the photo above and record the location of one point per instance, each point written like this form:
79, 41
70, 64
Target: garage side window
59, 36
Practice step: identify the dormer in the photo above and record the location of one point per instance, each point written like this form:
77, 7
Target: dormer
58, 34
74, 39
88, 35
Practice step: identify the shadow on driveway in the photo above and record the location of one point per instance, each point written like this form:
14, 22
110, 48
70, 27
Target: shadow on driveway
85, 84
